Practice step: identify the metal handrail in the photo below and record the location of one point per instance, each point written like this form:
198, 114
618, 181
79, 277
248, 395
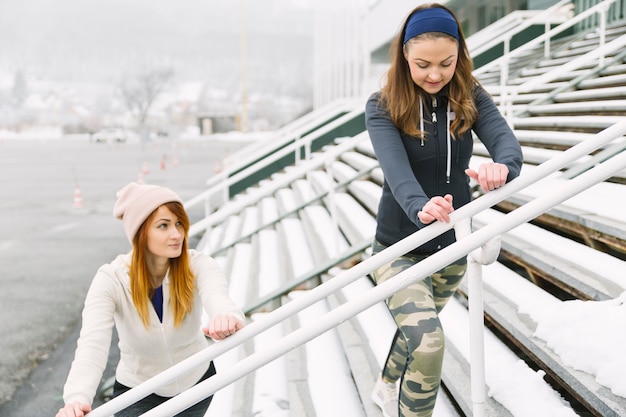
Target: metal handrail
551, 75
349, 253
545, 17
284, 135
382, 291
549, 97
598, 8
298, 172
288, 213
220, 183
508, 93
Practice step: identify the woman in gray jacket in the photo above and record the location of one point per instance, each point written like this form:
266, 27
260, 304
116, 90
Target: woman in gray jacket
420, 125
154, 296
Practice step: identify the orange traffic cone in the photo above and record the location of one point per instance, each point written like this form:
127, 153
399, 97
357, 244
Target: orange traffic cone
78, 198
163, 163
144, 169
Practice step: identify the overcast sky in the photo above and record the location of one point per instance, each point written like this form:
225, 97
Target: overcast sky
100, 39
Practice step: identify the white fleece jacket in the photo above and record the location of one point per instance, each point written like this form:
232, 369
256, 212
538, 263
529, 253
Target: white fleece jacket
144, 352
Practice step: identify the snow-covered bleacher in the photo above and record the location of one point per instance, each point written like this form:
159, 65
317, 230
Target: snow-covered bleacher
293, 230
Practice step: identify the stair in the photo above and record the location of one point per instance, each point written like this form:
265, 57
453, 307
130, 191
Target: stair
591, 228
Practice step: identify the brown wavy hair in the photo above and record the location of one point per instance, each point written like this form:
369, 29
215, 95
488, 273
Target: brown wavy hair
182, 280
400, 95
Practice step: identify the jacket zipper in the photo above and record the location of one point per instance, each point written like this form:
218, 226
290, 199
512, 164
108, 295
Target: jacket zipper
168, 350
434, 119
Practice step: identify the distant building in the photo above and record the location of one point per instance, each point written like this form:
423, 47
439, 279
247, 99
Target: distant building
217, 123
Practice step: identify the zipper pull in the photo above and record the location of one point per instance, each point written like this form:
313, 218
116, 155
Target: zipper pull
434, 116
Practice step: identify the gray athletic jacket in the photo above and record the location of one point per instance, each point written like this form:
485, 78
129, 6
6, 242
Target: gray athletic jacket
416, 170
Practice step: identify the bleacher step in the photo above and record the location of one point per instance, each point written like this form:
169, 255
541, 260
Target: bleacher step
502, 312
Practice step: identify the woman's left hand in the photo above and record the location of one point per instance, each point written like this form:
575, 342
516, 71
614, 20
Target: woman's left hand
489, 176
223, 325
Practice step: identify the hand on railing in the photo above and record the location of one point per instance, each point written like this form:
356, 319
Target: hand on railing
489, 176
75, 409
487, 253
438, 208
222, 326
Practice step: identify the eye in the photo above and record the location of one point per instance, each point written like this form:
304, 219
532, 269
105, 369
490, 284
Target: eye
447, 63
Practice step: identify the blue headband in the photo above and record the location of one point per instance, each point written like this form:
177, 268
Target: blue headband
435, 19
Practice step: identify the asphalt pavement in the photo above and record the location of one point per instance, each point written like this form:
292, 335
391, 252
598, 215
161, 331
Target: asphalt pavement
57, 228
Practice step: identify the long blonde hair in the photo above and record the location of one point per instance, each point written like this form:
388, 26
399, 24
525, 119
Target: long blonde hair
401, 96
182, 280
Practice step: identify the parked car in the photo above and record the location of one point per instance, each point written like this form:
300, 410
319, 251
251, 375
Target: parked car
110, 135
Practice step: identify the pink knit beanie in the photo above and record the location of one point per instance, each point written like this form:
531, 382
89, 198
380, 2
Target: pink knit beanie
135, 202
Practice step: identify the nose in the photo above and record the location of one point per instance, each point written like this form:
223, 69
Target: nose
434, 76
176, 233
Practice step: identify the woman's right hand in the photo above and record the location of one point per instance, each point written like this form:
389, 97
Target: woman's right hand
437, 208
74, 409
222, 326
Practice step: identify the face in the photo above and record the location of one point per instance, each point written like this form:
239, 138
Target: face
165, 234
432, 62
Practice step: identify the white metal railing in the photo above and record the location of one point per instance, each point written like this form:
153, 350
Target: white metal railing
430, 265
332, 188
382, 291
495, 33
298, 172
219, 184
292, 130
246, 156
503, 61
485, 255
616, 12
507, 94
515, 23
598, 53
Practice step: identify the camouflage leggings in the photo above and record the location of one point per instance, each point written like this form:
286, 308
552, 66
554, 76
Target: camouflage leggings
416, 354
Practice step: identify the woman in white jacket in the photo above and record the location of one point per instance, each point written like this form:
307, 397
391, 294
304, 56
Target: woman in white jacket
155, 297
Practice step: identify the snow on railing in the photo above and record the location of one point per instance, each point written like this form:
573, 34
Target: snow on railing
428, 266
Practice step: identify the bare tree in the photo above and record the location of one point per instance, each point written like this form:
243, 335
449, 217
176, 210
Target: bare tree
138, 93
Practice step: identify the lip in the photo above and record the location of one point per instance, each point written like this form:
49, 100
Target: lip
176, 246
